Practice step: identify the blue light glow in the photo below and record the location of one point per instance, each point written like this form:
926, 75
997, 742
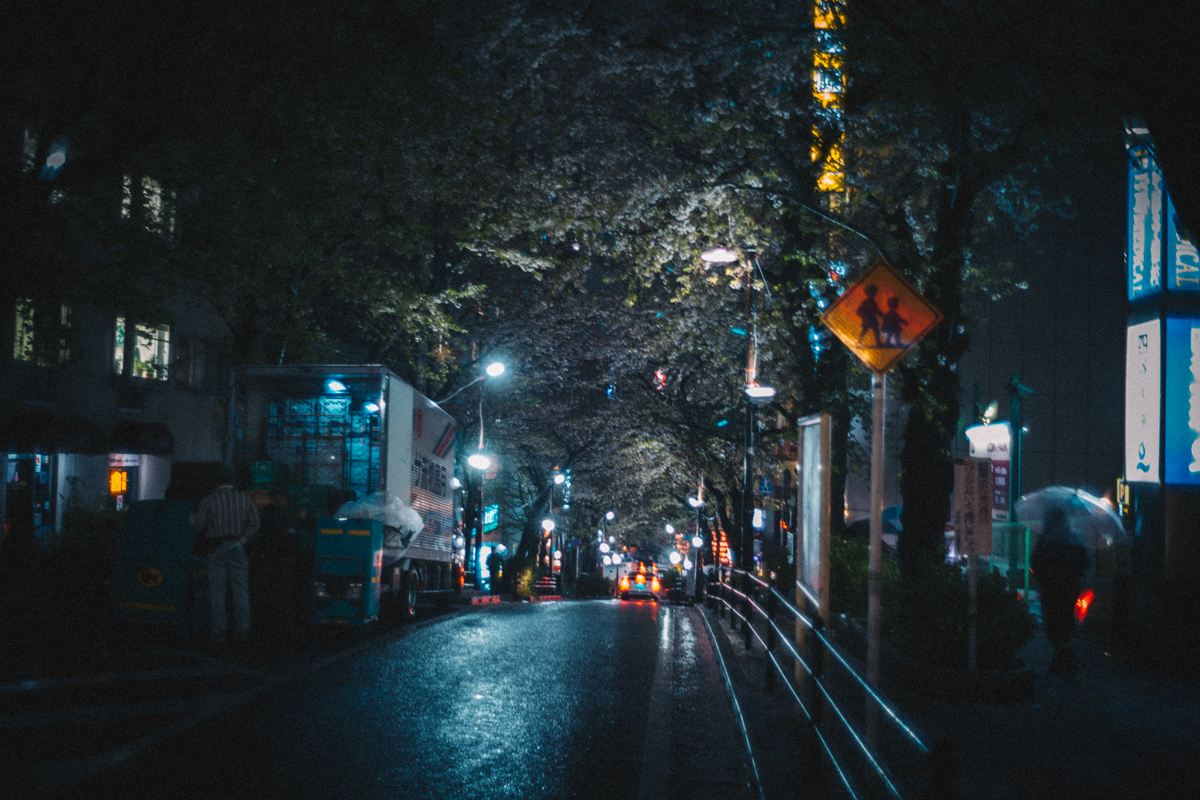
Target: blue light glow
335, 386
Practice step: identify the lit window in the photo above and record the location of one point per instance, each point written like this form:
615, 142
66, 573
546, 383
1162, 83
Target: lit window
126, 197
23, 340
157, 204
147, 354
29, 151
119, 347
40, 335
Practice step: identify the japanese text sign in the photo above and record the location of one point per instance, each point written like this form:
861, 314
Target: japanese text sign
973, 507
881, 317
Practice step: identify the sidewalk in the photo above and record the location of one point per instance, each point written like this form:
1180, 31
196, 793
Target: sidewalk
1118, 730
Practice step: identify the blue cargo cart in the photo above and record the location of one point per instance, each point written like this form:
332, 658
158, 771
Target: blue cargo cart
157, 577
346, 569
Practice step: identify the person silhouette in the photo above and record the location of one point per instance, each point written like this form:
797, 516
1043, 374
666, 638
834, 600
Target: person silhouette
869, 312
891, 323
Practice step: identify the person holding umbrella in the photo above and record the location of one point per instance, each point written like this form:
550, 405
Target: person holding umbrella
1058, 563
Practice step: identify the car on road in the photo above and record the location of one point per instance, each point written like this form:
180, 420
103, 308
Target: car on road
643, 581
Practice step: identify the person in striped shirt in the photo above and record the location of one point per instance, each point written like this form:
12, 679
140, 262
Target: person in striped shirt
227, 520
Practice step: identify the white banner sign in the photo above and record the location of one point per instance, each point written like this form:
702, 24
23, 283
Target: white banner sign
1143, 401
973, 507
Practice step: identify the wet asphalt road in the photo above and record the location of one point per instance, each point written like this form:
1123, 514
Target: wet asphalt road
591, 699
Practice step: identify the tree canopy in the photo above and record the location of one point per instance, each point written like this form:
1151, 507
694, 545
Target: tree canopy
426, 185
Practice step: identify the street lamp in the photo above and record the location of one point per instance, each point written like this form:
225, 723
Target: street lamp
755, 394
479, 462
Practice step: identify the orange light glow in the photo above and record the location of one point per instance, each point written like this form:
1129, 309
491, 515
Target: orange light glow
625, 582
828, 14
1082, 604
655, 585
118, 481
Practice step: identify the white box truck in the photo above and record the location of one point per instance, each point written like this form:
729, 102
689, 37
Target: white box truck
310, 438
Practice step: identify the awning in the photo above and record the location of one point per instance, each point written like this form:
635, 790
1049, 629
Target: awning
147, 438
50, 432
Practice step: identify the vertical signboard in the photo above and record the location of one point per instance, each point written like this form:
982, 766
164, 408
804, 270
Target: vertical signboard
992, 442
1143, 398
812, 546
1181, 459
1183, 258
973, 507
1144, 240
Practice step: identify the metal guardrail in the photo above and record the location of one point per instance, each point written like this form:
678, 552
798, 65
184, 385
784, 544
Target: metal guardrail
744, 609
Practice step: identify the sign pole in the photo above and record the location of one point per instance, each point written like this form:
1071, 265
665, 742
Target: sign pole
875, 564
880, 318
972, 611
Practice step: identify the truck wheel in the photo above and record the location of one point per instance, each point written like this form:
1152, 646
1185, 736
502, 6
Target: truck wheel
412, 588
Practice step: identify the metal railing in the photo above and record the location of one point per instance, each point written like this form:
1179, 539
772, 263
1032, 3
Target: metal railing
859, 765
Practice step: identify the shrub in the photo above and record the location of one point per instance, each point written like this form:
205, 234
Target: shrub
849, 559
930, 622
520, 575
927, 617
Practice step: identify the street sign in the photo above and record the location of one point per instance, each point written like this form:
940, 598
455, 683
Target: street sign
764, 486
973, 507
881, 317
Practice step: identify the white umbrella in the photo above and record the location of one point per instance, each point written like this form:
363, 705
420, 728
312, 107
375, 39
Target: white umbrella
1093, 522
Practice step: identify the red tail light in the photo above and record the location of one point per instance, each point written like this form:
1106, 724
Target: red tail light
1082, 603
625, 582
655, 585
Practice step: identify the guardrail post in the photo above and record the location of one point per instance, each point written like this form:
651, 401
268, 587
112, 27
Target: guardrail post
941, 769
747, 610
815, 702
771, 608
770, 663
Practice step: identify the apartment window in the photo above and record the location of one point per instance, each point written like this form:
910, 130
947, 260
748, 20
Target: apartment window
151, 202
141, 351
41, 332
195, 364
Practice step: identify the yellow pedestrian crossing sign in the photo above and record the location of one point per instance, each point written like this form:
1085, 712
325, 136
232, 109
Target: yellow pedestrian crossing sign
881, 317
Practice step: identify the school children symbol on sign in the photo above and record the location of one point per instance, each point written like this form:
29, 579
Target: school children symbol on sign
881, 317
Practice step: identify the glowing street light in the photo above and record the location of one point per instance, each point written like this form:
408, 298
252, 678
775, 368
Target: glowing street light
697, 541
479, 461
609, 516
495, 369
760, 394
675, 557
547, 525
604, 548
560, 478
670, 528
719, 255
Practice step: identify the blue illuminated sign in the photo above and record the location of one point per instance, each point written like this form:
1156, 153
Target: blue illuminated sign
491, 517
1181, 458
1144, 239
1183, 259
